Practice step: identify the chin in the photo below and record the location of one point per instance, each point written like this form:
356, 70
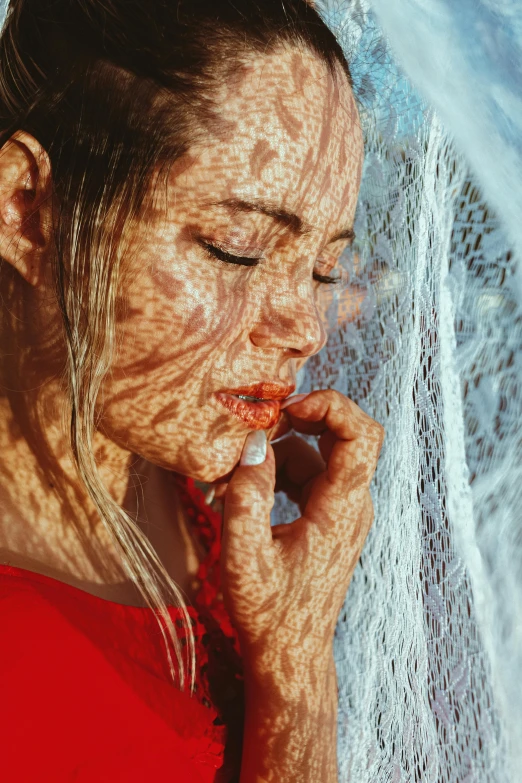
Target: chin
211, 474
214, 463
206, 460
216, 468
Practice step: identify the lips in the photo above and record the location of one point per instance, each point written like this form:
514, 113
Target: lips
261, 411
263, 391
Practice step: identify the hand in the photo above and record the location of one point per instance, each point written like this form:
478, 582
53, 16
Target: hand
284, 586
296, 464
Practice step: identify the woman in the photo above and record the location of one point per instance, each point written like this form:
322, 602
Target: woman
177, 183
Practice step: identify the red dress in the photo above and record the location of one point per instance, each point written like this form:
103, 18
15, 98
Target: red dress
85, 688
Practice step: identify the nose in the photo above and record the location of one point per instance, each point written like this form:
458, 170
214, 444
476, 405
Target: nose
290, 321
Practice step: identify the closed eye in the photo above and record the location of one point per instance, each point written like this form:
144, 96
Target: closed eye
327, 278
229, 258
222, 255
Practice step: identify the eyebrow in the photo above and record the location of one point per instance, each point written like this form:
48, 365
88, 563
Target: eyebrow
298, 226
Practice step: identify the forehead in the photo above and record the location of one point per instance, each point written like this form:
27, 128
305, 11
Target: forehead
292, 138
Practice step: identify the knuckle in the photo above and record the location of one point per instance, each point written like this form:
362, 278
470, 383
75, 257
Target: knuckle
333, 398
379, 429
333, 394
376, 429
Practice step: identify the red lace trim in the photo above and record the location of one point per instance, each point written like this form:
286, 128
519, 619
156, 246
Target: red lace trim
220, 680
207, 525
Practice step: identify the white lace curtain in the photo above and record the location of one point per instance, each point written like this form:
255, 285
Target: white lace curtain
429, 644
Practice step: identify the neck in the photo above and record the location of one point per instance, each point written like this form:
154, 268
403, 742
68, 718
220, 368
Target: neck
48, 515
48, 522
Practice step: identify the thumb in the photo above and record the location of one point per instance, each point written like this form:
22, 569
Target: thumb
250, 497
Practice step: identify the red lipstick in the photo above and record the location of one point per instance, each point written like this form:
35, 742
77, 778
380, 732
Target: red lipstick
260, 410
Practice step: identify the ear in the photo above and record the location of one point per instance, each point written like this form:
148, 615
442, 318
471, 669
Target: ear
25, 206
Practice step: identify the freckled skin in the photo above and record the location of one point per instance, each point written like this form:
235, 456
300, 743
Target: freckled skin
190, 325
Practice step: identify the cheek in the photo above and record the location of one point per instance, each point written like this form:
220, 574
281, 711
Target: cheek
170, 315
175, 334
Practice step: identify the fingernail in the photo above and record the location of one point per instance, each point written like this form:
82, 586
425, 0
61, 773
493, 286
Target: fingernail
291, 400
254, 449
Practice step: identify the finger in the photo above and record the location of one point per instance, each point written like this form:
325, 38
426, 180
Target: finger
359, 436
248, 502
326, 443
328, 409
351, 442
344, 515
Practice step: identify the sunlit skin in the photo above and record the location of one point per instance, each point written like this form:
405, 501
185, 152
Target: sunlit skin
198, 325
190, 325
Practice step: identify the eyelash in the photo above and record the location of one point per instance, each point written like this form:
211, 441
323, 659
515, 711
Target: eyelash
228, 258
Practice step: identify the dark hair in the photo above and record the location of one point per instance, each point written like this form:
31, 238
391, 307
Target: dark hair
115, 90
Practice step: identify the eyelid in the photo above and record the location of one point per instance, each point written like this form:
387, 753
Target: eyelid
254, 253
215, 249
224, 257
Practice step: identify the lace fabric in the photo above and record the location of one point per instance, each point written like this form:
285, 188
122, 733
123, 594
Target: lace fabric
427, 647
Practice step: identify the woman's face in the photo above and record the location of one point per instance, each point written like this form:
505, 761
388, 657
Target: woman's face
273, 193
